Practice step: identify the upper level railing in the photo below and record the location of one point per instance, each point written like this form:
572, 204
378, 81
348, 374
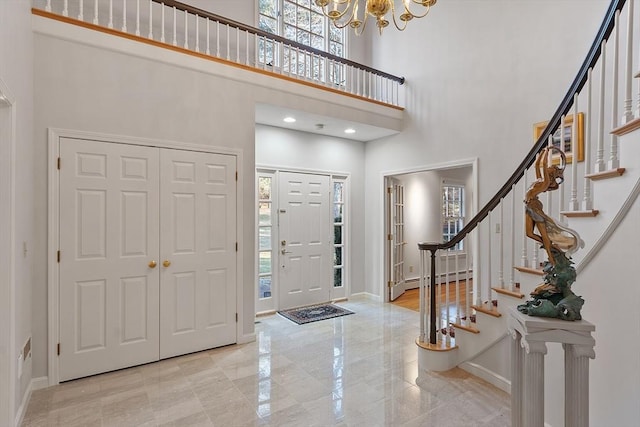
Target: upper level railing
597, 102
198, 31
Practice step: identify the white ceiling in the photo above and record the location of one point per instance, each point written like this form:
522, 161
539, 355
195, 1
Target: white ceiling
306, 122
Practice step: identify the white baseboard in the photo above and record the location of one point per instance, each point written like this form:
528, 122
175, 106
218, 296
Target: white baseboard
366, 295
247, 338
22, 409
489, 376
39, 383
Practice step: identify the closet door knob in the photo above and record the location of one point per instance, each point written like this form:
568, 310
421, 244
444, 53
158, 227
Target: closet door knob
166, 263
152, 264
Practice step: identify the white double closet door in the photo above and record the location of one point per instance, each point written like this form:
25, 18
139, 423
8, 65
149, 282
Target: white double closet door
148, 254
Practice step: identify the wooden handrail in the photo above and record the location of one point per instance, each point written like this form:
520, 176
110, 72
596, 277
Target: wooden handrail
578, 83
258, 32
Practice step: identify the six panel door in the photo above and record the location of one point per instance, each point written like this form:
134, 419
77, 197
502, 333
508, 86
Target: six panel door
148, 260
109, 223
306, 246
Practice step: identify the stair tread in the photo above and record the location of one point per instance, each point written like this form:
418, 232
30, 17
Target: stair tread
466, 328
581, 214
486, 310
606, 174
530, 270
512, 293
440, 346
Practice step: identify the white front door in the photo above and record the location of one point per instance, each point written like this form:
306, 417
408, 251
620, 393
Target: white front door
305, 247
147, 254
198, 247
108, 246
395, 238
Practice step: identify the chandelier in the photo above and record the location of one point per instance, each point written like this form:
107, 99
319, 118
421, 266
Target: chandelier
348, 12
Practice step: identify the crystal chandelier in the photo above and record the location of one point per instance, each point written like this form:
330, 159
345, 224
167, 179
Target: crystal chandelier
348, 12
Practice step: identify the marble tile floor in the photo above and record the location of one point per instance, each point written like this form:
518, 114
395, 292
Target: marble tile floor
357, 370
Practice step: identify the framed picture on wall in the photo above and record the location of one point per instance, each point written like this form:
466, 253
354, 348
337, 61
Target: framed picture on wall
563, 137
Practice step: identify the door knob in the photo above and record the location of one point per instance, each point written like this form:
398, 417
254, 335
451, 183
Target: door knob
152, 264
166, 263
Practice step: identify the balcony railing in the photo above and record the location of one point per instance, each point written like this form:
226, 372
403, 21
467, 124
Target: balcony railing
194, 30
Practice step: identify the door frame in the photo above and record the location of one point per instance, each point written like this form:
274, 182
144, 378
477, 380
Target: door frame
382, 207
275, 170
8, 262
53, 210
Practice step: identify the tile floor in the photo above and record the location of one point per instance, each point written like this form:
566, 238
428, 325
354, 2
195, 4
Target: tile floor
357, 370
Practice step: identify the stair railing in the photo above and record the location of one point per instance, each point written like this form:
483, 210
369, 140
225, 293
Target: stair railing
569, 126
186, 28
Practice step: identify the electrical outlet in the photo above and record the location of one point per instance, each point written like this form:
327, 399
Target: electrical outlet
411, 269
26, 351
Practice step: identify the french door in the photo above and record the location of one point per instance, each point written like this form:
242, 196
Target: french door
395, 237
147, 254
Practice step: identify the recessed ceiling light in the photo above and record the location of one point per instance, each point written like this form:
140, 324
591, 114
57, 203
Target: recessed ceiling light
289, 120
350, 130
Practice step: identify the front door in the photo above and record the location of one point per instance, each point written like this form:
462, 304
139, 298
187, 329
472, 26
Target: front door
306, 245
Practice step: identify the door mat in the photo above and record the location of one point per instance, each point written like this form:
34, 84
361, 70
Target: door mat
314, 313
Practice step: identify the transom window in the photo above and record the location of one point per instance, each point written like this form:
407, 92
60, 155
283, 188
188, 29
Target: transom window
452, 212
301, 21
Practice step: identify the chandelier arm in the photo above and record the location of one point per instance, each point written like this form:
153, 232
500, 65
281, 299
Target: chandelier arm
420, 16
395, 22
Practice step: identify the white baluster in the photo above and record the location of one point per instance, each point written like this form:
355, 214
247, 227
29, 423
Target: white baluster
95, 12
501, 246
439, 299
218, 39
600, 165
124, 16
628, 113
246, 47
573, 203
467, 296
81, 10
137, 17
446, 298
228, 43
175, 26
512, 262
110, 24
614, 162
197, 33
48, 6
65, 8
208, 51
186, 30
587, 202
237, 45
561, 189
525, 241
422, 293
162, 39
548, 193
457, 288
487, 284
151, 19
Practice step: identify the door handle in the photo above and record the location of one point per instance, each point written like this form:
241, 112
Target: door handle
152, 264
166, 263
284, 251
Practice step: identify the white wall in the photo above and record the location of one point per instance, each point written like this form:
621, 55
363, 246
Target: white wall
16, 71
283, 148
485, 72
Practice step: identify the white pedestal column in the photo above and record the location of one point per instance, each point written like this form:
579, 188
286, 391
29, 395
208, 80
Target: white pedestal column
530, 335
